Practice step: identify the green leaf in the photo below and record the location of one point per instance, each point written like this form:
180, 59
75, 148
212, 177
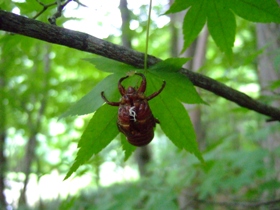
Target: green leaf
170, 65
102, 127
221, 25
178, 85
92, 101
127, 147
174, 121
193, 23
100, 131
263, 11
180, 5
221, 20
109, 65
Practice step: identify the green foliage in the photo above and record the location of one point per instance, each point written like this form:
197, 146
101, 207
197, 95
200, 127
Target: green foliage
138, 195
237, 166
221, 25
127, 147
39, 87
101, 130
92, 101
174, 121
226, 172
178, 86
220, 18
263, 11
193, 23
167, 107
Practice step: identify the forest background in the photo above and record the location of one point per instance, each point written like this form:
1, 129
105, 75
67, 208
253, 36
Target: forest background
40, 81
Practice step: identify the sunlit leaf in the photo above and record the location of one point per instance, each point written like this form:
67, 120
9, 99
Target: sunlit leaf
221, 25
174, 121
109, 65
127, 147
193, 23
170, 65
178, 86
100, 131
180, 5
92, 101
260, 11
220, 19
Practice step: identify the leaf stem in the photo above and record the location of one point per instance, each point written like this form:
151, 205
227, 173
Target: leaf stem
147, 36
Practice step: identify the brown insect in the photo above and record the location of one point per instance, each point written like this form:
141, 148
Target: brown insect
135, 119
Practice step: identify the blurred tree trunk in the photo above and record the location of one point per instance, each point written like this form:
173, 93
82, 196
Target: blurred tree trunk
34, 120
126, 32
268, 39
142, 154
3, 160
197, 51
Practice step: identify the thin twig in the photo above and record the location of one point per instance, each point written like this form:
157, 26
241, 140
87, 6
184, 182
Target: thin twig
59, 9
45, 7
58, 13
79, 3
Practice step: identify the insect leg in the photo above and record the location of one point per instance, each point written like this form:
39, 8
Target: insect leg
121, 88
156, 93
109, 102
142, 87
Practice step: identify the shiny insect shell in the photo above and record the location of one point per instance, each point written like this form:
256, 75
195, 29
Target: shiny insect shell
135, 118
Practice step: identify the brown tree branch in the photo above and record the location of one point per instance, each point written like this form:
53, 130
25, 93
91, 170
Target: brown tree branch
81, 41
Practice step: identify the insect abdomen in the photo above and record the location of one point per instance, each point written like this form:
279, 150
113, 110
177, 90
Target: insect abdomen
139, 131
